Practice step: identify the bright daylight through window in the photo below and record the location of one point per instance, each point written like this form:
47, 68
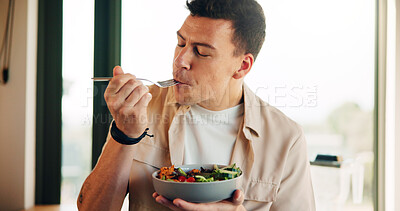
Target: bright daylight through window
77, 101
317, 66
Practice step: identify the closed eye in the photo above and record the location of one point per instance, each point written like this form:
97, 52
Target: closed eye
196, 50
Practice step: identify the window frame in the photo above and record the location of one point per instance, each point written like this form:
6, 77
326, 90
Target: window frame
107, 54
48, 110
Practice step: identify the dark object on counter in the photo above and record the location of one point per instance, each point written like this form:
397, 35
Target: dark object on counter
327, 160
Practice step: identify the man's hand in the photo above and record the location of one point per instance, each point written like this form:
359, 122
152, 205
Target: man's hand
127, 100
234, 203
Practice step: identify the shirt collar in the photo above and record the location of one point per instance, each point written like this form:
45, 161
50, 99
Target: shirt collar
252, 112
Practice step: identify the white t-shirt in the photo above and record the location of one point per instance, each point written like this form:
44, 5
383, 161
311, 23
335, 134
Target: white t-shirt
211, 135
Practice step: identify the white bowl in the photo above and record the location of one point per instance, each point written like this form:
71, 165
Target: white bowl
199, 192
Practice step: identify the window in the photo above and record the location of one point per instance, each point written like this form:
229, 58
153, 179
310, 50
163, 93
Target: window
316, 65
77, 101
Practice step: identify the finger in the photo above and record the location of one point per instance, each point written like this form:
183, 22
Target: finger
238, 197
135, 96
117, 82
127, 89
144, 101
221, 205
117, 71
117, 100
162, 200
184, 205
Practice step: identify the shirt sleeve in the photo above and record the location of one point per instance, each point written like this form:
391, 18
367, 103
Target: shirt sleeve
295, 191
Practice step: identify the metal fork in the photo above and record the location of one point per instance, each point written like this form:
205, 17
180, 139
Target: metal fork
166, 83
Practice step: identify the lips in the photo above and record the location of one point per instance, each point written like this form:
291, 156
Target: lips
181, 81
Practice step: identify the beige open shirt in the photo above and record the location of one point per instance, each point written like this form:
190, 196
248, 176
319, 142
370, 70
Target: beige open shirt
270, 149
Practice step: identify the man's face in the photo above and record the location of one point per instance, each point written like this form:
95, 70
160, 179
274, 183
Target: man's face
204, 62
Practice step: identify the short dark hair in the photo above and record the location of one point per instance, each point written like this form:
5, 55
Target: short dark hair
247, 18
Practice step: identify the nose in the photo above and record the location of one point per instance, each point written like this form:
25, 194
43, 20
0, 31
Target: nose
182, 58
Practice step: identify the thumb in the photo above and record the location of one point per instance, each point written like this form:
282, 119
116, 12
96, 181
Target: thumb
117, 71
238, 197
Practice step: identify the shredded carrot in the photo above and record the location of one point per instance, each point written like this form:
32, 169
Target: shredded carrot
167, 172
195, 171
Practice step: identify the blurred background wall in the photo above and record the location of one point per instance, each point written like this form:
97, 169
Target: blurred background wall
18, 108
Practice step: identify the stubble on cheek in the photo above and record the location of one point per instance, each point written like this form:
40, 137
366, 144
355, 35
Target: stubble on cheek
184, 95
192, 95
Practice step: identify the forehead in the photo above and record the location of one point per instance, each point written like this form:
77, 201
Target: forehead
212, 31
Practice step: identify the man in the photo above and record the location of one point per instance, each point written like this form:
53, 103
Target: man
210, 117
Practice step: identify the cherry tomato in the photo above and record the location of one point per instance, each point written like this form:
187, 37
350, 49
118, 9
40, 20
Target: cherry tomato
182, 179
191, 179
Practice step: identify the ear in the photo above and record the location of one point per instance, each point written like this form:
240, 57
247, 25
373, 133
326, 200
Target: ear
247, 63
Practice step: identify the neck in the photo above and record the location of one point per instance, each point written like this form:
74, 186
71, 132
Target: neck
232, 96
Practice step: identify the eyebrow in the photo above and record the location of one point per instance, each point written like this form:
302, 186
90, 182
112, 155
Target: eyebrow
196, 43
